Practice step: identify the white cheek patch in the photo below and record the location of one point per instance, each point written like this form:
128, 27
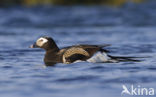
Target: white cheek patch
41, 41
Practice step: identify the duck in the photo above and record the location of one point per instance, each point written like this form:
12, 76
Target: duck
75, 53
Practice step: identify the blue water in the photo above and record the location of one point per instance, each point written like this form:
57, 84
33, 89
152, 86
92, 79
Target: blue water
131, 29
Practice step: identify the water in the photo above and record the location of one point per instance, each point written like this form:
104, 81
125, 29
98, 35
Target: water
130, 29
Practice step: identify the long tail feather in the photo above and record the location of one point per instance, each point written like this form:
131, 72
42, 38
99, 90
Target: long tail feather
125, 59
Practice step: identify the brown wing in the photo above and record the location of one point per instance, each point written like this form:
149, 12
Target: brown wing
92, 46
92, 49
75, 50
80, 52
75, 53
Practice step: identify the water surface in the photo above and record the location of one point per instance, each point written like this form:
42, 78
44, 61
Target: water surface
130, 29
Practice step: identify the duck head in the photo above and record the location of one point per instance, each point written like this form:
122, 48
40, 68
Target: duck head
46, 43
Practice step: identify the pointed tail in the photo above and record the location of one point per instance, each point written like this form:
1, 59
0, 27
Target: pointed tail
126, 59
122, 58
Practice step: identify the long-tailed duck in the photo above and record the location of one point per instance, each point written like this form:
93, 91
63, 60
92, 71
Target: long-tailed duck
75, 53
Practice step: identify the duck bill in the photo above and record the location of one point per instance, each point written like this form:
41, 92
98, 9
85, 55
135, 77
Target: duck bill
33, 46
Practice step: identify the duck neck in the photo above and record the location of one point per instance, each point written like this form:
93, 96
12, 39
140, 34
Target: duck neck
53, 48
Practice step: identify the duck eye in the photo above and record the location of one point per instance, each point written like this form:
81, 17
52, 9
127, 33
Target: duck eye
41, 40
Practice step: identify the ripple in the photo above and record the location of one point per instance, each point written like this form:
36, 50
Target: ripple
6, 67
152, 68
79, 78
